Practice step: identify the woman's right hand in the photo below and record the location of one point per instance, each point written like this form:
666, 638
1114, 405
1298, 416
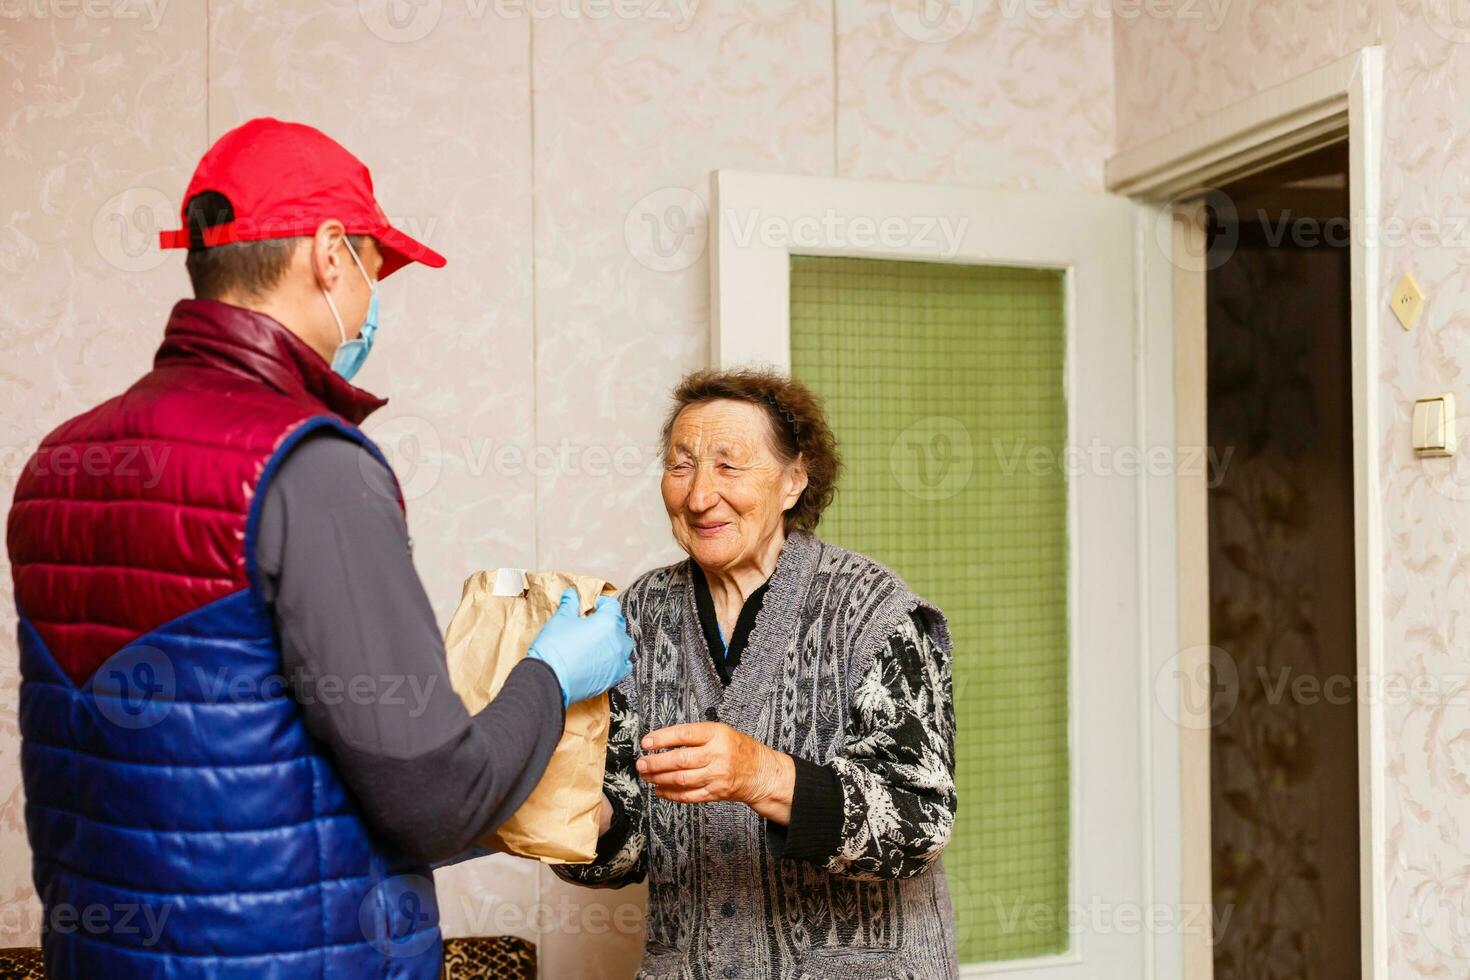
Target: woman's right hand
604, 817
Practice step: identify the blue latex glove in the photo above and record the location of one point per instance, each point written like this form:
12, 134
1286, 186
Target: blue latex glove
588, 654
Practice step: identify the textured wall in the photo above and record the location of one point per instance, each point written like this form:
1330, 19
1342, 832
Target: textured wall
1179, 60
98, 122
556, 153
1172, 72
527, 146
1426, 505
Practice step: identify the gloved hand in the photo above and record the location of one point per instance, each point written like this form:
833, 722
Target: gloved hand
588, 654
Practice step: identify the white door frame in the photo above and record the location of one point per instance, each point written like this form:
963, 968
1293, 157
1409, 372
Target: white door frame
1342, 100
758, 221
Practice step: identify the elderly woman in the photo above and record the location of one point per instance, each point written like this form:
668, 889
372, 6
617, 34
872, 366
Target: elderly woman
781, 764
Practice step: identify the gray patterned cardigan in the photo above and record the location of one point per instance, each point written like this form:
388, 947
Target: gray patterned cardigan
845, 668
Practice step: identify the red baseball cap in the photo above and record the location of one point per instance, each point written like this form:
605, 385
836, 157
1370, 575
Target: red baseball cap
282, 180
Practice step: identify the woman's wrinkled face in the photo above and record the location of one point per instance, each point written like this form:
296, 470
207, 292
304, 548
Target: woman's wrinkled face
724, 487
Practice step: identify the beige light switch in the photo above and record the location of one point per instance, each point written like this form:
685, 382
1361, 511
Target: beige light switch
1407, 300
1434, 426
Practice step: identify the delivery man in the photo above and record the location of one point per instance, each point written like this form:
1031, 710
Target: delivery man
240, 747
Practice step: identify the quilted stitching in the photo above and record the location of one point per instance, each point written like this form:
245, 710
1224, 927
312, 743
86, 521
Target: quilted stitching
166, 765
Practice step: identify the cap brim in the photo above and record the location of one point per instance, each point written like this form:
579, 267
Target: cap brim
399, 250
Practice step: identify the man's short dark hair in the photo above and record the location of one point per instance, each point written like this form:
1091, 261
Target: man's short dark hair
249, 269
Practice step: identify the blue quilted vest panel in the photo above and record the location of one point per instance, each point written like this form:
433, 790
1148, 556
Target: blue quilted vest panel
184, 823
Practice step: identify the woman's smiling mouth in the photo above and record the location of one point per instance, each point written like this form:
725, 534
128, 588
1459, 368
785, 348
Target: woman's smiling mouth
710, 529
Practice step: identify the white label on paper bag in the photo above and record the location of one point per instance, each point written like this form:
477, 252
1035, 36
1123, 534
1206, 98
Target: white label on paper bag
510, 581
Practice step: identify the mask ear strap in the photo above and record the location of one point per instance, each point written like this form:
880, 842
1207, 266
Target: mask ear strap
360, 267
341, 331
335, 316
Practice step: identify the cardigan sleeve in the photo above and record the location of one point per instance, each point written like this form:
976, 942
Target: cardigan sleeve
884, 806
622, 852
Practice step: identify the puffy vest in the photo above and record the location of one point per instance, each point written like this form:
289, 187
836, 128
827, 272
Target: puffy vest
183, 822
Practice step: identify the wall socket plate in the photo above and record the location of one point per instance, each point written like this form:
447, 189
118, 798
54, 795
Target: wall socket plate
1407, 301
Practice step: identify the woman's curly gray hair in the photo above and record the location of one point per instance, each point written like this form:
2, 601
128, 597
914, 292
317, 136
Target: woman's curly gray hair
799, 429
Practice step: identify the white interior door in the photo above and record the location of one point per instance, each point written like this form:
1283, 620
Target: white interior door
1119, 898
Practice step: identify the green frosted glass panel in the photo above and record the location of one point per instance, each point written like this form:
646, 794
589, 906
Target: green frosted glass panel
944, 384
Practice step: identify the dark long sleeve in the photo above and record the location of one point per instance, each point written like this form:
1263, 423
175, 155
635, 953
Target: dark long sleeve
884, 807
622, 852
815, 831
363, 654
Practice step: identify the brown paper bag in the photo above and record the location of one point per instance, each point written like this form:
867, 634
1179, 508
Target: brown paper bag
499, 615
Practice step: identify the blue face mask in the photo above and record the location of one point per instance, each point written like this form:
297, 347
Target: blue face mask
351, 353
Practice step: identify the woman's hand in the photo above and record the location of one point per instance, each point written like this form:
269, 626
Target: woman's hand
709, 761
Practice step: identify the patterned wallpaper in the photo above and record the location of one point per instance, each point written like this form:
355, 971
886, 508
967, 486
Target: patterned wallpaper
99, 123
558, 154
1179, 60
1002, 94
1170, 72
1426, 505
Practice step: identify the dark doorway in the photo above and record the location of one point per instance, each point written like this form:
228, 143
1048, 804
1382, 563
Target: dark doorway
1284, 756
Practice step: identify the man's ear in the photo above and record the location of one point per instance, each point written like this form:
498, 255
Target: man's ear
327, 256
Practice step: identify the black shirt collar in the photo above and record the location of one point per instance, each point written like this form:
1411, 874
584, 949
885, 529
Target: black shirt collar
725, 659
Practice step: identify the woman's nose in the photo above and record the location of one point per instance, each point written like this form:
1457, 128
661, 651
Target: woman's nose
702, 495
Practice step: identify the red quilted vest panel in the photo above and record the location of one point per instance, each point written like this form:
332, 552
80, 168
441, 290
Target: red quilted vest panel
134, 513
